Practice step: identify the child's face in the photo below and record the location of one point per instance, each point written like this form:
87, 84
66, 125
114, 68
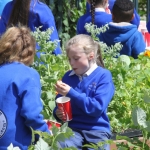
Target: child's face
78, 60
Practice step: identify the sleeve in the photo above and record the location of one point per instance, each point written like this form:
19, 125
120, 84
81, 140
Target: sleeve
78, 27
136, 20
47, 20
88, 7
30, 92
4, 18
95, 105
148, 24
138, 45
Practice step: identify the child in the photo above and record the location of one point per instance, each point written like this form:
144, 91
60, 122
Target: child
148, 24
31, 13
135, 20
2, 5
97, 16
20, 104
90, 88
100, 17
120, 30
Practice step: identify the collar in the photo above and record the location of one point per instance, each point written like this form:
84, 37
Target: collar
120, 23
99, 9
94, 66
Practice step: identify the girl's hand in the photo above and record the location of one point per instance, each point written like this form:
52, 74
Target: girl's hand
60, 114
62, 88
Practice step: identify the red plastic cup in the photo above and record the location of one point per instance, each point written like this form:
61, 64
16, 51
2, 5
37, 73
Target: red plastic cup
50, 123
63, 103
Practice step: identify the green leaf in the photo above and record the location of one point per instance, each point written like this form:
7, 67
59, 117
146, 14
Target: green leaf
41, 145
146, 97
51, 104
55, 130
125, 59
139, 117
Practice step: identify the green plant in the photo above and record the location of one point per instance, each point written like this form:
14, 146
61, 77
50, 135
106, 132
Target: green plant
66, 13
50, 67
51, 142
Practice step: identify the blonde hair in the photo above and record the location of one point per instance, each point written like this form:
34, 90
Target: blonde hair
88, 45
17, 44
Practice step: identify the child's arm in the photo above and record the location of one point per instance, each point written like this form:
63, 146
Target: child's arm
4, 17
138, 45
148, 24
46, 20
31, 103
136, 19
96, 104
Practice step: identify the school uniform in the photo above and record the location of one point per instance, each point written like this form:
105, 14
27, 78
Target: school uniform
128, 35
135, 21
2, 5
20, 105
40, 15
90, 96
101, 19
148, 24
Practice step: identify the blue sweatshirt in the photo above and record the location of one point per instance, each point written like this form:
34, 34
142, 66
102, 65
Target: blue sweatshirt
20, 105
40, 15
135, 21
2, 5
101, 19
90, 99
126, 33
148, 24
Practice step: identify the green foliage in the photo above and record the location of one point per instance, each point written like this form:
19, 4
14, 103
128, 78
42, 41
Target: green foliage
50, 67
66, 13
51, 142
131, 78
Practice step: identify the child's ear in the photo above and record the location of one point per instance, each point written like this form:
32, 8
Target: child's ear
91, 56
132, 17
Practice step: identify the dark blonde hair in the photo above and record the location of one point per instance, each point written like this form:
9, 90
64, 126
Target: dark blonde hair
17, 44
88, 45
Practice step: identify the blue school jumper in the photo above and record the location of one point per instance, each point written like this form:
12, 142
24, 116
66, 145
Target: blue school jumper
135, 21
2, 5
101, 19
128, 35
20, 105
90, 98
40, 15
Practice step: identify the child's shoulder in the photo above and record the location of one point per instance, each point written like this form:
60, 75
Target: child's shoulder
68, 73
103, 71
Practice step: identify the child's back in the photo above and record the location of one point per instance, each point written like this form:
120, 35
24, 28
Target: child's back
98, 16
122, 31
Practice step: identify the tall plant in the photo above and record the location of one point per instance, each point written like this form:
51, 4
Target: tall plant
67, 13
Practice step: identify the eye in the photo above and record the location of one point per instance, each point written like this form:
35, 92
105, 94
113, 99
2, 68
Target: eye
76, 58
69, 59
